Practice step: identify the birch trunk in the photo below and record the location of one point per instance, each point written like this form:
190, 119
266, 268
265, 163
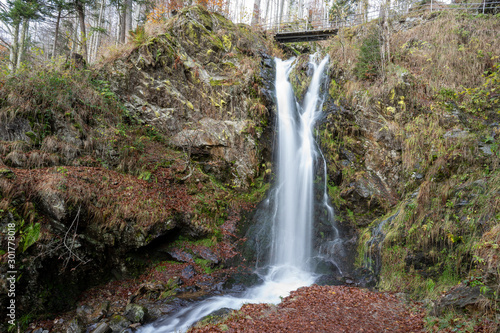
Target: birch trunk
14, 46
385, 47
74, 38
365, 10
20, 51
281, 6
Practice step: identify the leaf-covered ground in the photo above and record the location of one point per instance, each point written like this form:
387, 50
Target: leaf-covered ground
324, 309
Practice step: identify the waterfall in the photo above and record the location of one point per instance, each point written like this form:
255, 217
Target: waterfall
292, 239
292, 248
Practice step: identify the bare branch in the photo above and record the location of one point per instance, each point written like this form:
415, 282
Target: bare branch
5, 43
69, 246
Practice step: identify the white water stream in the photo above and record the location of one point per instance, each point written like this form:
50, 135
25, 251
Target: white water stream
291, 257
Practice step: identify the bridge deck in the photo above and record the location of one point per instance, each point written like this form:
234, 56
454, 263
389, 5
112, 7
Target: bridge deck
305, 36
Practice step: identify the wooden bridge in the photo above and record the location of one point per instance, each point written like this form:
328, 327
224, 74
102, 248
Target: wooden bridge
304, 30
305, 35
308, 30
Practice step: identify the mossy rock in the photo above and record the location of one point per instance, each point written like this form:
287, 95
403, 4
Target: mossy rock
118, 323
136, 313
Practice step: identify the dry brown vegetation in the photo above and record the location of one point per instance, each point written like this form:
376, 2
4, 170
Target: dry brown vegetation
446, 50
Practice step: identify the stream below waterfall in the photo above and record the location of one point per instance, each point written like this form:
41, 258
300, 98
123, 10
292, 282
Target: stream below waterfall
291, 263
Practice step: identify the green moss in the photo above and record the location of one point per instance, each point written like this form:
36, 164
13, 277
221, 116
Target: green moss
33, 137
192, 33
217, 43
226, 41
215, 83
363, 256
334, 193
202, 15
204, 264
335, 91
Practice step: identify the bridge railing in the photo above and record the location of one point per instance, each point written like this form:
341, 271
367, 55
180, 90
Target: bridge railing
306, 24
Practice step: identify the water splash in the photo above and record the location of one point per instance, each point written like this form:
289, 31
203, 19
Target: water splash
291, 248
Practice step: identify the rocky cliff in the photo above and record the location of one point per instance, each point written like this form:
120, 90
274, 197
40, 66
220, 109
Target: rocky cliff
198, 82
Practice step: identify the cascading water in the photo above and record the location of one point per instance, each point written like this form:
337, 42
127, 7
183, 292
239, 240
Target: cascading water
291, 257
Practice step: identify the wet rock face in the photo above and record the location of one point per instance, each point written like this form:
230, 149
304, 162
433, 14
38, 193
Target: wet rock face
188, 272
215, 317
363, 154
199, 83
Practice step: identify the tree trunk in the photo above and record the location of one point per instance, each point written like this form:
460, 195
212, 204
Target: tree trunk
117, 31
138, 7
387, 32
237, 10
80, 8
267, 12
128, 19
56, 34
256, 12
365, 10
123, 22
13, 47
74, 38
20, 51
281, 6
99, 26
385, 44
